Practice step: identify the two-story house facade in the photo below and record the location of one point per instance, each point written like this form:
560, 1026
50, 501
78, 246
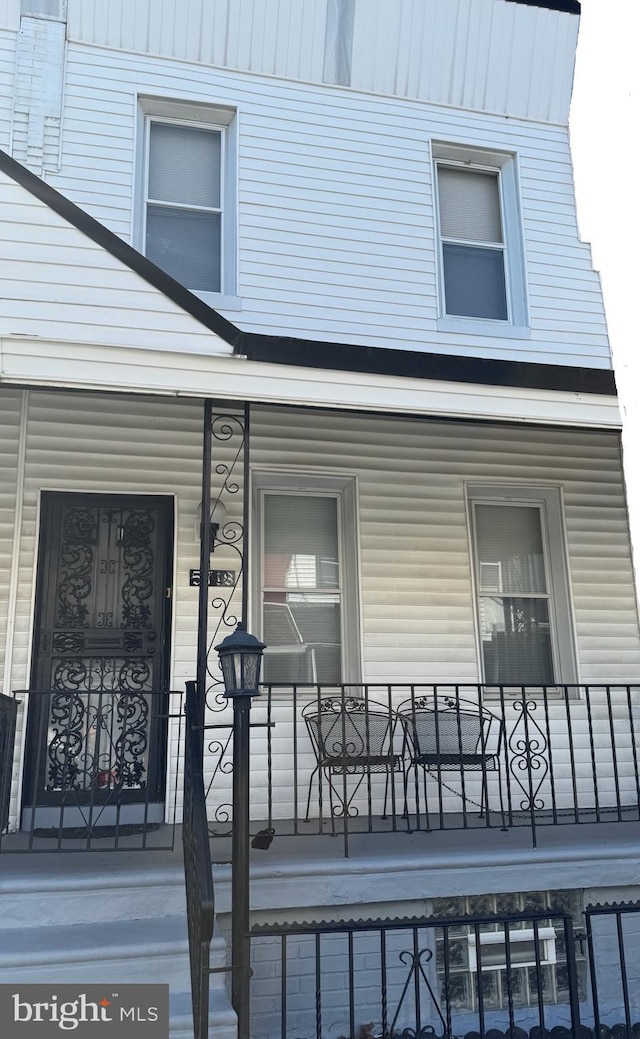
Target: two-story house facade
334, 242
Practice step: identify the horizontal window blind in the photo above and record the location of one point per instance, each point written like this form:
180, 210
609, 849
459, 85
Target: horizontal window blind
469, 205
184, 165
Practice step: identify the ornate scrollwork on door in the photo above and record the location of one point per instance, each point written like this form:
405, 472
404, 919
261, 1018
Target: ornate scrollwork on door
97, 741
138, 562
77, 551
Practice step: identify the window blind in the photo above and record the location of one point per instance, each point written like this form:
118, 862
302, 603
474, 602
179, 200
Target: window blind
300, 541
469, 205
184, 165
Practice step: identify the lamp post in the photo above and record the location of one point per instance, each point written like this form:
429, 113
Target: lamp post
240, 659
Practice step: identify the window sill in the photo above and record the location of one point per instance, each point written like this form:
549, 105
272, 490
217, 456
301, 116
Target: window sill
482, 327
218, 300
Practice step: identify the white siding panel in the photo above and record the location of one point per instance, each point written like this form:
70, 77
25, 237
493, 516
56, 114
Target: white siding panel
443, 51
415, 574
57, 283
10, 14
336, 213
10, 403
492, 56
275, 37
7, 81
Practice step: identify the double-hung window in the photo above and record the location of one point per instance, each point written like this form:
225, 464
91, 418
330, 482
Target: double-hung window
522, 597
187, 196
183, 204
306, 573
480, 244
473, 263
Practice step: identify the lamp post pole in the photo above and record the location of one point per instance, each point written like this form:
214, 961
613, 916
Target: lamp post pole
240, 949
240, 658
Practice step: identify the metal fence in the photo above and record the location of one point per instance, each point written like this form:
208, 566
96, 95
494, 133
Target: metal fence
522, 977
95, 771
384, 758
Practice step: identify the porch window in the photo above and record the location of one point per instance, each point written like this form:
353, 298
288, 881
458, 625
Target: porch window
521, 588
306, 591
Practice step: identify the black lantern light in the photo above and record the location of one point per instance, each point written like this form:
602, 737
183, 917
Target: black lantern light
240, 659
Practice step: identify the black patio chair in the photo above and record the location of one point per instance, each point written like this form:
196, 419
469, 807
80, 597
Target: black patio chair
447, 734
353, 736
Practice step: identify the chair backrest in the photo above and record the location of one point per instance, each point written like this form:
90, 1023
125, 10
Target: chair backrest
349, 727
279, 626
449, 727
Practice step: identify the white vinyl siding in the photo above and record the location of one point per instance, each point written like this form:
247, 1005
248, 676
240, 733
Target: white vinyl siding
10, 405
60, 285
336, 206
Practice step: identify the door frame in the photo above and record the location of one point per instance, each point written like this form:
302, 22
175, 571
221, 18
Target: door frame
166, 503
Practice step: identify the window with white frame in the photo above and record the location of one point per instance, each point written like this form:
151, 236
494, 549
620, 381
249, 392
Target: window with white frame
521, 581
187, 194
307, 581
481, 252
470, 957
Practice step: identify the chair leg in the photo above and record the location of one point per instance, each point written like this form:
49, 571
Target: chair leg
316, 769
504, 826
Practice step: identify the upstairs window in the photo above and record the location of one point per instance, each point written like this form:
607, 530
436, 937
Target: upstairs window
186, 195
473, 263
183, 204
481, 249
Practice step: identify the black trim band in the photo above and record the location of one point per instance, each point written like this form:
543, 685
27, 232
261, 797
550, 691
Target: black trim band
343, 357
566, 6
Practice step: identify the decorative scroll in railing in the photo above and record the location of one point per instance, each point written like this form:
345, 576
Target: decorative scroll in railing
518, 976
229, 444
96, 777
381, 758
197, 867
8, 712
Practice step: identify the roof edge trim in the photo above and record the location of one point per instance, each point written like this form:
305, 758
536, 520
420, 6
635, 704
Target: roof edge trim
565, 6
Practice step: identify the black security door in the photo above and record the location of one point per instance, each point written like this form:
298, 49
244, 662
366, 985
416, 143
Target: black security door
101, 649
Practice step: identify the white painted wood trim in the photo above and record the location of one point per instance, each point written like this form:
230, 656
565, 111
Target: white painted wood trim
129, 370
15, 550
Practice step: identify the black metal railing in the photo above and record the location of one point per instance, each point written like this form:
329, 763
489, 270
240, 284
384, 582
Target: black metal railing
8, 714
385, 758
385, 979
95, 771
197, 867
517, 976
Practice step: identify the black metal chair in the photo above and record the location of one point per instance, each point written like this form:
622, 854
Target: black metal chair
447, 734
353, 736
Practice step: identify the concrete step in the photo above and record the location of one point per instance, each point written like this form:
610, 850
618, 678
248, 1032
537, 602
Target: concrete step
119, 952
114, 918
62, 889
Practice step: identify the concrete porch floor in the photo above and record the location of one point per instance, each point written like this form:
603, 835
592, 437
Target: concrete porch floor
311, 870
